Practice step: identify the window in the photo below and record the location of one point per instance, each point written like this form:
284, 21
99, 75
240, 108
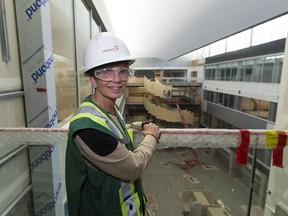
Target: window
193, 73
233, 74
245, 104
213, 73
217, 73
228, 74
256, 76
64, 59
263, 109
264, 69
278, 69
249, 70
207, 74
222, 74
268, 70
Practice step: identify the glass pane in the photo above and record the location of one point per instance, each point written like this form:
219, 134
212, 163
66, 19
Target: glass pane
64, 57
228, 74
226, 100
213, 74
65, 86
199, 175
249, 71
258, 70
239, 41
268, 70
254, 107
211, 96
221, 99
207, 74
179, 175
245, 105
217, 73
234, 74
241, 72
271, 30
222, 74
278, 69
264, 109
231, 101
218, 47
83, 36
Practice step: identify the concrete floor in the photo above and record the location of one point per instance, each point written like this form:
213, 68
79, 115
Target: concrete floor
164, 181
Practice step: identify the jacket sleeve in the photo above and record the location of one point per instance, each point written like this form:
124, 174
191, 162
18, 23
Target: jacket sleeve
136, 125
121, 163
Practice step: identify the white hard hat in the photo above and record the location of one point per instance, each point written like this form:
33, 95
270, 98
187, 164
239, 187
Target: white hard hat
105, 48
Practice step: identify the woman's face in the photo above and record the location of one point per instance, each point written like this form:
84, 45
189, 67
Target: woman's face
113, 89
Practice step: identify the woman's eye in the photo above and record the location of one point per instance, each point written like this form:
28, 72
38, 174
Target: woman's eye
123, 71
107, 71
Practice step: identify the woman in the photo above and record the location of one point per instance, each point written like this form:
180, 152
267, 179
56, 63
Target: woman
102, 167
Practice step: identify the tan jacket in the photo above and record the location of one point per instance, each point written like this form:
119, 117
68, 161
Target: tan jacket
122, 163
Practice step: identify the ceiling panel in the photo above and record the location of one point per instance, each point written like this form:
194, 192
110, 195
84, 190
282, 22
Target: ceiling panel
167, 29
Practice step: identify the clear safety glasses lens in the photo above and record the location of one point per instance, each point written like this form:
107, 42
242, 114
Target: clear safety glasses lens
107, 74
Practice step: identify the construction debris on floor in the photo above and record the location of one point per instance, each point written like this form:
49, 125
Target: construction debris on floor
185, 182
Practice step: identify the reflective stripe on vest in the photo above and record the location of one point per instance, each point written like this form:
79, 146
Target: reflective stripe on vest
129, 200
130, 132
91, 111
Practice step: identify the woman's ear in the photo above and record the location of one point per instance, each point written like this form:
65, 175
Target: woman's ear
93, 81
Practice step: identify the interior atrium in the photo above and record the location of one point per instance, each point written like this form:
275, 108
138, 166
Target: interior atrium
214, 81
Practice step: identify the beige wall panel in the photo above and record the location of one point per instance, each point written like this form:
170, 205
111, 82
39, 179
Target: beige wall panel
12, 112
10, 75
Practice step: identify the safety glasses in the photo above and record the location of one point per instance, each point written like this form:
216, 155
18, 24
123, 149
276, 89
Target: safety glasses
108, 74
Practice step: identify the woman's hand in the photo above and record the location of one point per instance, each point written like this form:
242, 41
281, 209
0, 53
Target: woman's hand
152, 129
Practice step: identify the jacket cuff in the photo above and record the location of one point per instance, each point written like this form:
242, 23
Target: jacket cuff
136, 125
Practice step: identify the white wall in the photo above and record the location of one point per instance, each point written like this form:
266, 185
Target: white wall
277, 185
